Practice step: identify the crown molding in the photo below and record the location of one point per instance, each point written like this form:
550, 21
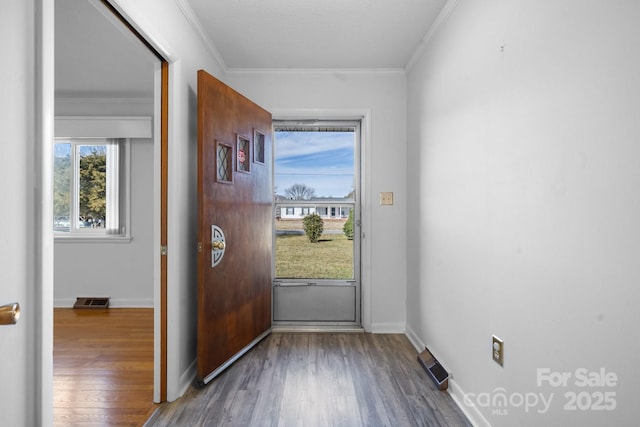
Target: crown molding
316, 71
193, 20
442, 17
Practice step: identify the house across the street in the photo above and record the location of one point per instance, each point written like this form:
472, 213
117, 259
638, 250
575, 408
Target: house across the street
326, 207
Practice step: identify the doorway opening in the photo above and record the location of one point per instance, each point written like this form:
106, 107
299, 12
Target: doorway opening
317, 224
111, 107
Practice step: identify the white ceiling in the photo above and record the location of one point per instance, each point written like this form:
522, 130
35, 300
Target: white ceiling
97, 57
317, 34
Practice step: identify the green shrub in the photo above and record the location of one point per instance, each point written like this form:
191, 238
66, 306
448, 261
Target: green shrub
348, 226
313, 226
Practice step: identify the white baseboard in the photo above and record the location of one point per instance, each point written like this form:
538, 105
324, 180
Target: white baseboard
415, 340
388, 328
187, 377
472, 413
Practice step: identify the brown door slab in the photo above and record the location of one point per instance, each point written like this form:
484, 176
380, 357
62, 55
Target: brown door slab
234, 193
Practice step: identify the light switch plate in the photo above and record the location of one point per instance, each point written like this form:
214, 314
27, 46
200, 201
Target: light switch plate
386, 198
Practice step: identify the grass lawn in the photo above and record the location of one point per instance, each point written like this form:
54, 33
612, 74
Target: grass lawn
330, 258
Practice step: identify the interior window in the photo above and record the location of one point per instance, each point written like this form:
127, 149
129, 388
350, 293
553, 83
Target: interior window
87, 186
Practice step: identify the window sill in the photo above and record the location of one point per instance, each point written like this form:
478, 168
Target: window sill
92, 239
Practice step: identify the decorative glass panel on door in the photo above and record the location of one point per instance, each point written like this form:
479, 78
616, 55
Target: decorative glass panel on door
223, 162
258, 147
243, 154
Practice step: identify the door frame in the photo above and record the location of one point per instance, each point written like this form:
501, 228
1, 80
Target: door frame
363, 115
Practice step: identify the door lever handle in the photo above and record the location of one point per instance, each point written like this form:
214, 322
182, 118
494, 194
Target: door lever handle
9, 314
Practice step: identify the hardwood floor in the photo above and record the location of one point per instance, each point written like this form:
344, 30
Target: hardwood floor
103, 376
318, 379
102, 367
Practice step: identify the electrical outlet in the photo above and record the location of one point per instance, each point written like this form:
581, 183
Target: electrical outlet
386, 198
497, 349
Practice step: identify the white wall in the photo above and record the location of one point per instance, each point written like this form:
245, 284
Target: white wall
123, 271
383, 95
523, 168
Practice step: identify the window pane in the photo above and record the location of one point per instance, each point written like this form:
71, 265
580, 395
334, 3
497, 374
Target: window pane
92, 186
317, 169
312, 164
297, 258
62, 187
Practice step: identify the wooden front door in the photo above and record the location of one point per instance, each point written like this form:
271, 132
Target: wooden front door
234, 195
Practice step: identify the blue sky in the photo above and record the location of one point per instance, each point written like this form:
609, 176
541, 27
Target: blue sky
323, 161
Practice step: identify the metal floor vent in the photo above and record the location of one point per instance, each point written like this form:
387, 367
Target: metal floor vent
91, 303
434, 369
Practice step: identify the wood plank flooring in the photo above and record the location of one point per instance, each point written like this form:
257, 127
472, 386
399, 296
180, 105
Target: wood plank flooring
102, 367
318, 379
